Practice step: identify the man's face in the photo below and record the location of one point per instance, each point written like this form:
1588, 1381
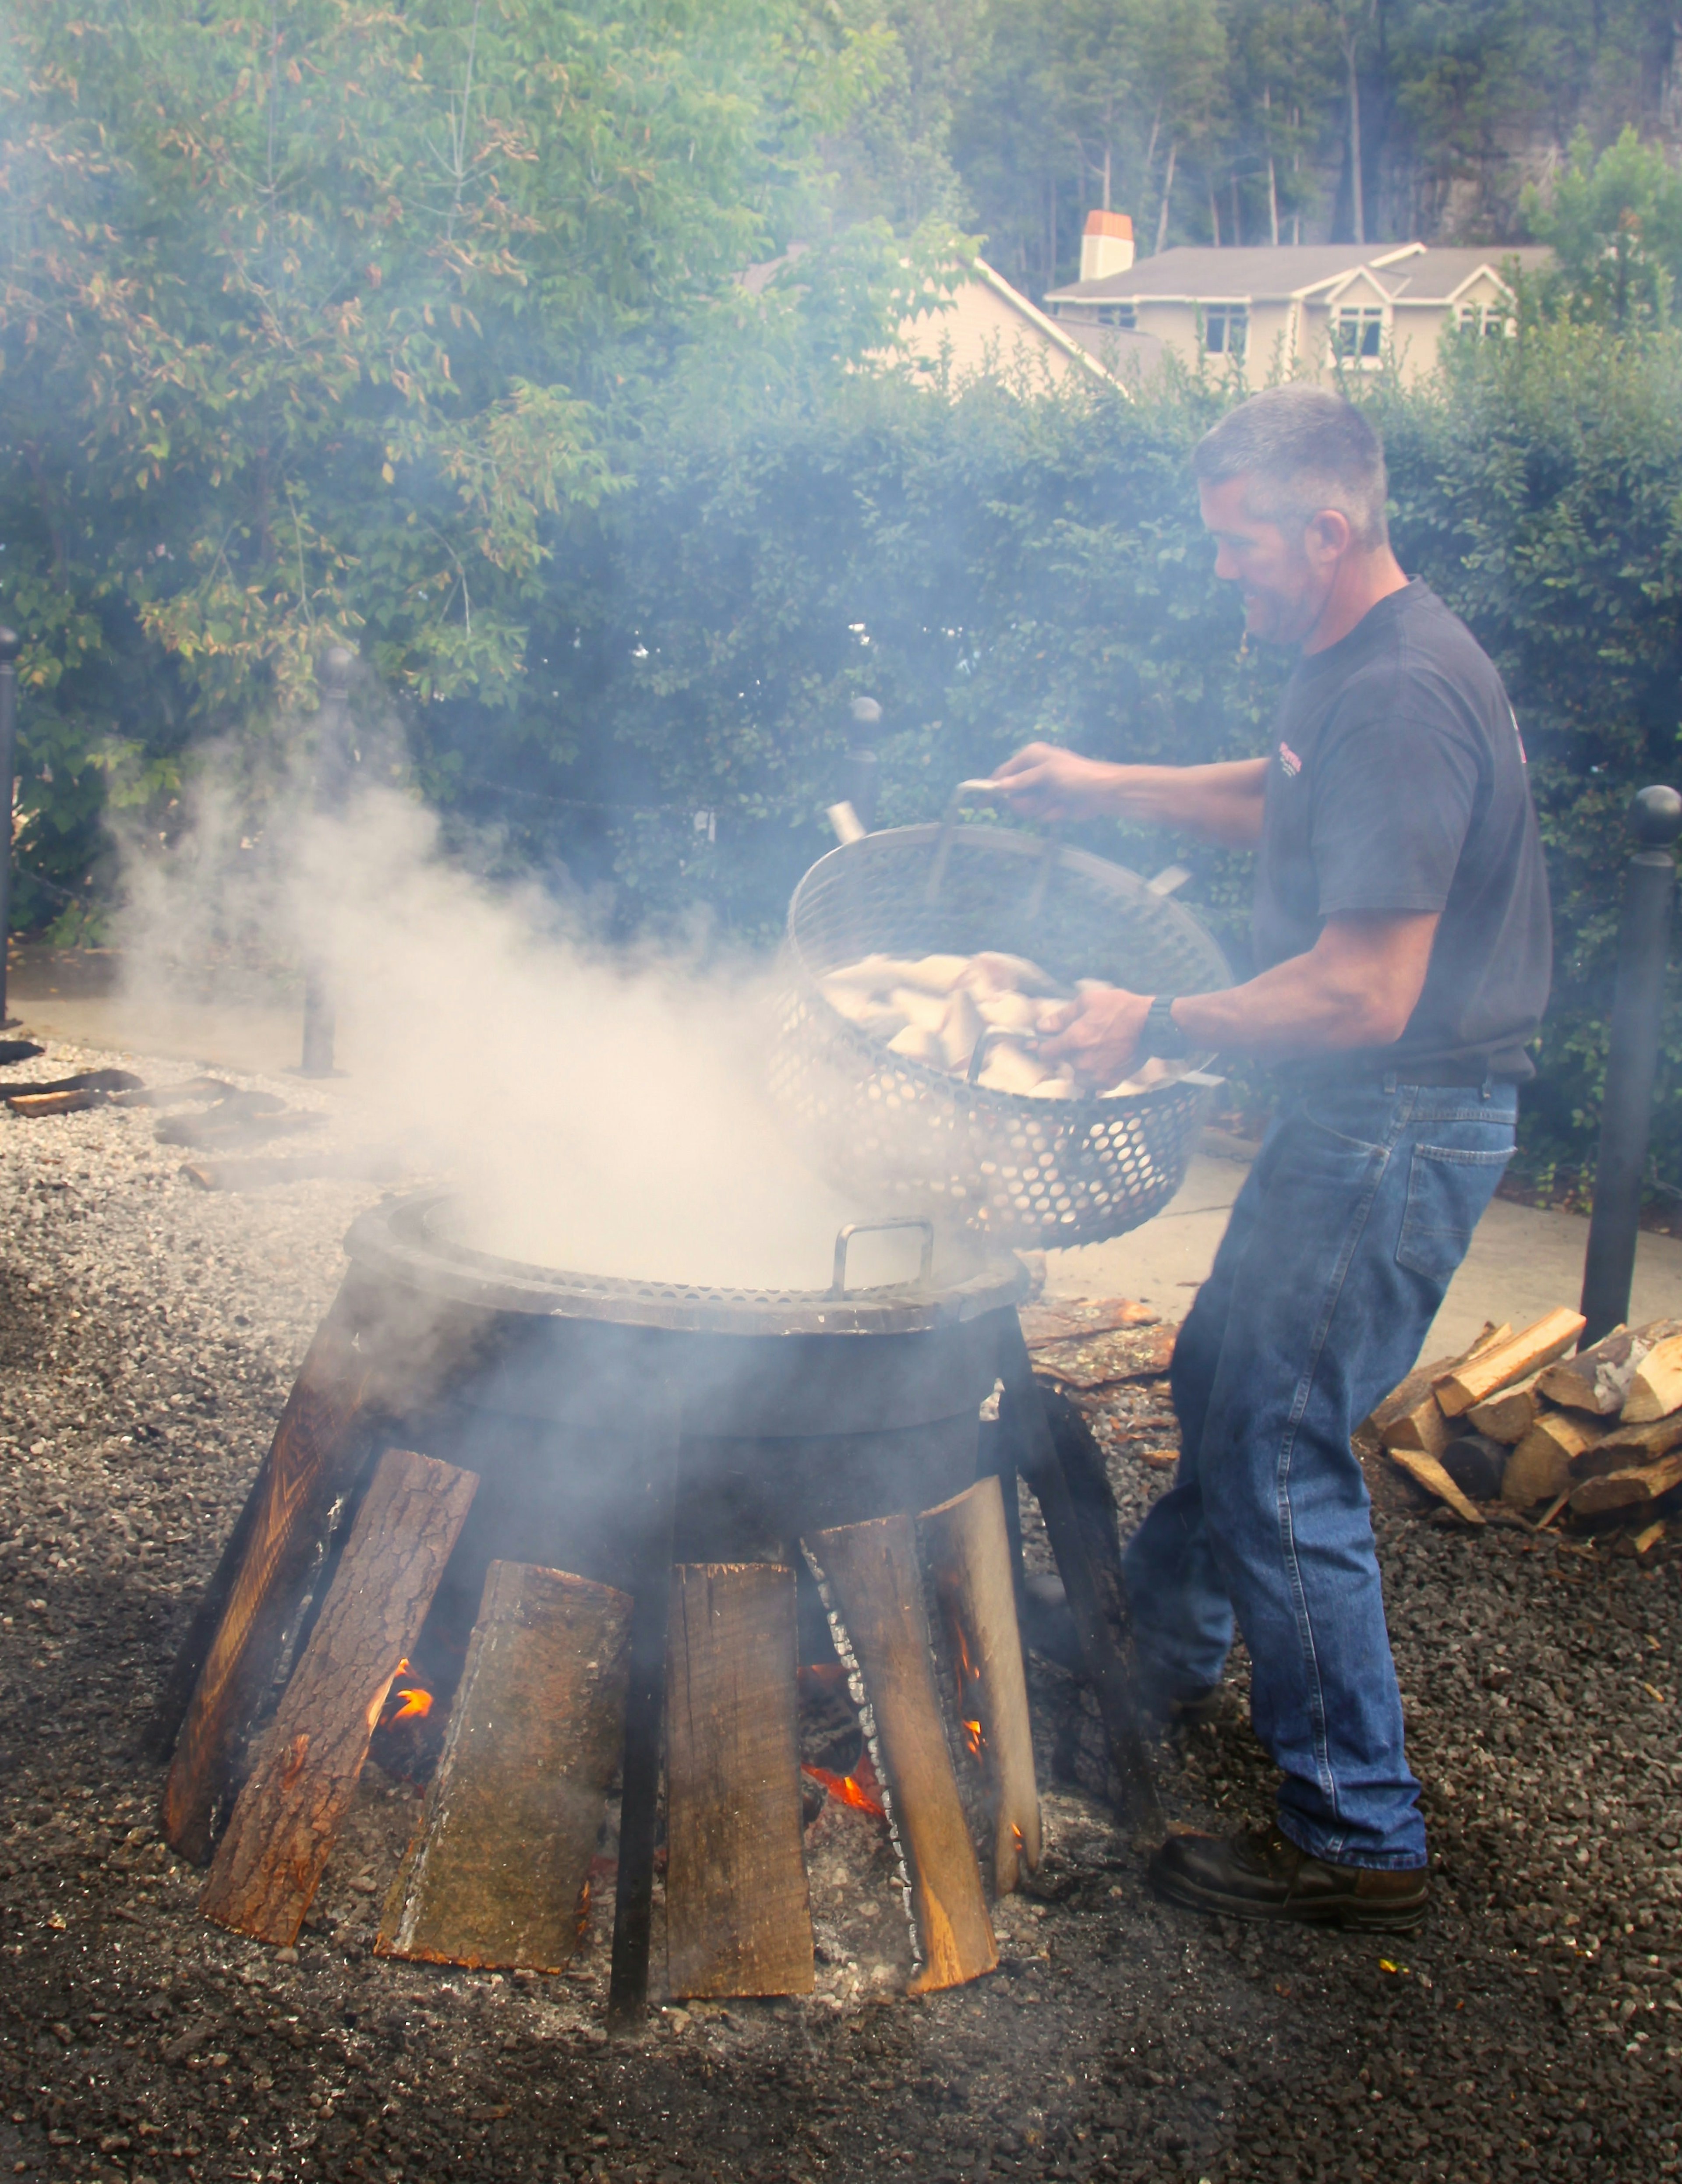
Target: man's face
1284, 577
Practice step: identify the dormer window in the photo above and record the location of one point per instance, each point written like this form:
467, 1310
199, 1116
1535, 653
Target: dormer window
1489, 319
1359, 334
1226, 329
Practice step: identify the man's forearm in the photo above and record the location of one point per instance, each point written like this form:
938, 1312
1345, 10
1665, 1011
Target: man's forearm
1356, 987
1222, 803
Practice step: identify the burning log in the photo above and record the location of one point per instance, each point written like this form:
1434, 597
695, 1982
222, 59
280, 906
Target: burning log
876, 1583
288, 1814
737, 1916
968, 1552
230, 1650
1023, 1414
497, 1873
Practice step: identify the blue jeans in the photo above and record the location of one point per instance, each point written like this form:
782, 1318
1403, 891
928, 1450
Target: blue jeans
1357, 1212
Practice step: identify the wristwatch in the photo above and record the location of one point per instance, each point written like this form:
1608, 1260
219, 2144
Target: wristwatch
1162, 1035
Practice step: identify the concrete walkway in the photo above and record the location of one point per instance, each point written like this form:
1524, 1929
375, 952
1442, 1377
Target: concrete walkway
1522, 1262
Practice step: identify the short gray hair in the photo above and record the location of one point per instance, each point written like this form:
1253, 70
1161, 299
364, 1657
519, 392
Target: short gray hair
1307, 449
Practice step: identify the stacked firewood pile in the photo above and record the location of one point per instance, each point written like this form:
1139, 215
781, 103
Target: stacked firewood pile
1517, 1423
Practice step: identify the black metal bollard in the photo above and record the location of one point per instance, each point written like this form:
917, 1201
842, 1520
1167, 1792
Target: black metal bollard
862, 768
332, 773
11, 644
1632, 1062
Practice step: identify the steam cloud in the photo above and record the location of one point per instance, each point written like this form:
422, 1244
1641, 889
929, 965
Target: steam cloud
598, 1112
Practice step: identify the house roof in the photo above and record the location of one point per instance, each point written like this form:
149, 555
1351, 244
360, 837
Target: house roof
1437, 277
1195, 275
1049, 329
1406, 272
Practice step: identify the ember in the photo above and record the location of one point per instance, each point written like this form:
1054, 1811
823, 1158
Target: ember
860, 1789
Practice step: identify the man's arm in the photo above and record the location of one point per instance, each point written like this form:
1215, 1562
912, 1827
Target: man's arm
1222, 803
1357, 986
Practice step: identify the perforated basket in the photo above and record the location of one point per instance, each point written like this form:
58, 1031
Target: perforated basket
903, 1136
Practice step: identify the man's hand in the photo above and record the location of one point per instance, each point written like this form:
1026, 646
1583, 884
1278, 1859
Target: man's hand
1099, 1034
1049, 782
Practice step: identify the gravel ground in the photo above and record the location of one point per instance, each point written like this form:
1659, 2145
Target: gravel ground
148, 1333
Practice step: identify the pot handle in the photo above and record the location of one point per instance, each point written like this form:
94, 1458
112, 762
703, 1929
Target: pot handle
838, 1287
974, 791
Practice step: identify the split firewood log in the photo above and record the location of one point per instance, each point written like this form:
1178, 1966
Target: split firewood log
1508, 1416
230, 1650
1409, 1417
1435, 1480
499, 1870
1476, 1464
1540, 1465
1627, 1446
967, 1551
738, 1918
1515, 1359
875, 1580
1627, 1489
288, 1815
1598, 1379
1656, 1387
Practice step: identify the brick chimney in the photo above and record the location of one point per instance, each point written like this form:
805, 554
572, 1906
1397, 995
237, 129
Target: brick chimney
1106, 247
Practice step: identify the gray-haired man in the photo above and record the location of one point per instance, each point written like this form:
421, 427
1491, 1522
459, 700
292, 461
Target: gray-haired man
1400, 923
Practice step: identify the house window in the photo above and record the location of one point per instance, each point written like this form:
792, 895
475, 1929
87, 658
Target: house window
1226, 328
1489, 319
1360, 332
1117, 315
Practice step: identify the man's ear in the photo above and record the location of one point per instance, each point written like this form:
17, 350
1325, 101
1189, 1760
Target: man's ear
1328, 536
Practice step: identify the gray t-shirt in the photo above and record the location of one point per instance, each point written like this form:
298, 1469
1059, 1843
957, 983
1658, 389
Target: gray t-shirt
1398, 783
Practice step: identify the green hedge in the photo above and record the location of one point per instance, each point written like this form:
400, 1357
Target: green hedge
991, 567
994, 565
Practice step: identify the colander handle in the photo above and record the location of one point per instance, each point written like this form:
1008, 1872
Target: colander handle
972, 792
838, 1287
990, 1039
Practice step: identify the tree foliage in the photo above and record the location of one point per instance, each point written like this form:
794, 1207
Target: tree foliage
312, 319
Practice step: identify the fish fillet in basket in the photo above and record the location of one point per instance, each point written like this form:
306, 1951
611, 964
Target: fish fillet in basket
903, 1135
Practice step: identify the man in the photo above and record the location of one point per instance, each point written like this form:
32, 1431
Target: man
1400, 926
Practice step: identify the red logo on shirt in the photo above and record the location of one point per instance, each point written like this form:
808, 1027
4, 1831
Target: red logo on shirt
1289, 760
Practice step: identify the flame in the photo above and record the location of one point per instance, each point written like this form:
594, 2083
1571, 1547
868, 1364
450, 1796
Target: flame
968, 1674
416, 1702
1020, 1839
850, 1789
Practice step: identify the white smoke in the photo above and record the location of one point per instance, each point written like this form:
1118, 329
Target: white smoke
601, 1111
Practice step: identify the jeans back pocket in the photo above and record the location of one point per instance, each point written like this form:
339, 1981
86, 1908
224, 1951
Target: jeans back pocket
1448, 1187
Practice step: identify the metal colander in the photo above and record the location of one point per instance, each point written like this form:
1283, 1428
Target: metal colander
902, 1136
